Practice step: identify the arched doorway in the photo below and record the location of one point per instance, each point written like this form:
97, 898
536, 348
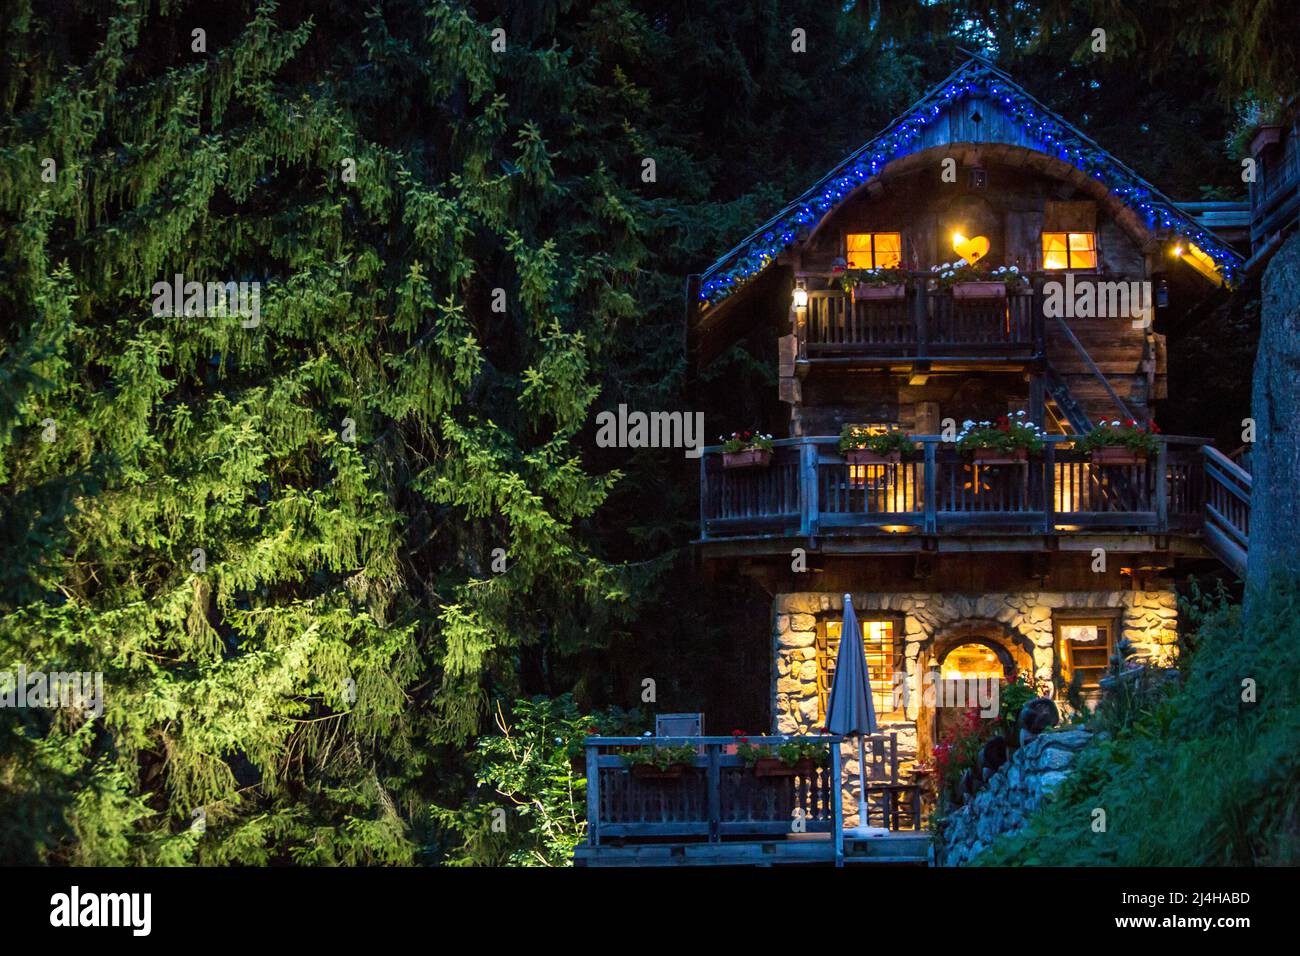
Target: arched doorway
961, 662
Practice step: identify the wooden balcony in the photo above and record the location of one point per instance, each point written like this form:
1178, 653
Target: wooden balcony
810, 492
717, 811
837, 328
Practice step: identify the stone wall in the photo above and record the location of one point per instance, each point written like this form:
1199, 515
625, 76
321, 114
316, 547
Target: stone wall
1011, 795
1023, 620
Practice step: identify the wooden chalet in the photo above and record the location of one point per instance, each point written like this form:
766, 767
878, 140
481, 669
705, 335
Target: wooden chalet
1045, 567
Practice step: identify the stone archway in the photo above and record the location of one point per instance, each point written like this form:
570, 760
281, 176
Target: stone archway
1012, 650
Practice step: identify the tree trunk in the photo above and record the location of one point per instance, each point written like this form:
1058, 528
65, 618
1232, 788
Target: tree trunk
1275, 406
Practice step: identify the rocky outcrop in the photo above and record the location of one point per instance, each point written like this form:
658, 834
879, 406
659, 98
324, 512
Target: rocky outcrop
1010, 797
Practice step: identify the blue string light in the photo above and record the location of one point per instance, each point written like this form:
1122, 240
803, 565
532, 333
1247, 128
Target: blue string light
901, 140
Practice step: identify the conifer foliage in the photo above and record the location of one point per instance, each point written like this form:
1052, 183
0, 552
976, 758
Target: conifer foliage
299, 542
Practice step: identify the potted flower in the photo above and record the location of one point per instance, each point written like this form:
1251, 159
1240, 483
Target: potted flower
1012, 278
1009, 440
787, 759
874, 284
748, 449
860, 447
661, 763
969, 281
1121, 443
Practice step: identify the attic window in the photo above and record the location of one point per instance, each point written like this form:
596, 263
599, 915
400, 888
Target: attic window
1069, 250
875, 250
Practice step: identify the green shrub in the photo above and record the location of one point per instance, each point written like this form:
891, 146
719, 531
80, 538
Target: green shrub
1203, 776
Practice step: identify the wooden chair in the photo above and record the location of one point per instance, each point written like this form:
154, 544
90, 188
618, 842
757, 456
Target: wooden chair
899, 801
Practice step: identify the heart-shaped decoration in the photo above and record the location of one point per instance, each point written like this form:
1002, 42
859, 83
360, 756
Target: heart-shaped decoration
972, 250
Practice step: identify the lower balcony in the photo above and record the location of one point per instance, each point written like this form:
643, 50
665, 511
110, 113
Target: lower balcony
809, 491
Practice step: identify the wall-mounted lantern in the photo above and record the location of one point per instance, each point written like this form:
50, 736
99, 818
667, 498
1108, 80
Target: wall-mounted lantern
800, 295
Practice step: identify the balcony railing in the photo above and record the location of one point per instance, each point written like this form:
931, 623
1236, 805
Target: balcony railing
809, 489
922, 323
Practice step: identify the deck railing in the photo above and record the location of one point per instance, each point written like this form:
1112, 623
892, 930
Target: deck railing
714, 797
923, 323
1227, 509
810, 489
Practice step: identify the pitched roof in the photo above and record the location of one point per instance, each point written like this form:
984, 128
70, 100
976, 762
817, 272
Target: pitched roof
1038, 128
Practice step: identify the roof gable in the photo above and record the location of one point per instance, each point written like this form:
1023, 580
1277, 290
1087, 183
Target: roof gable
1008, 115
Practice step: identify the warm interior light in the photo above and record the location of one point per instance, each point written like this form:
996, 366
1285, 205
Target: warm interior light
972, 250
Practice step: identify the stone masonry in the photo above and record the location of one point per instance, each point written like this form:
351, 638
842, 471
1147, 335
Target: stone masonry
1148, 621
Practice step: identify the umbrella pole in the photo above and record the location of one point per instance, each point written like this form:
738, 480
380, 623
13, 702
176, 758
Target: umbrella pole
863, 820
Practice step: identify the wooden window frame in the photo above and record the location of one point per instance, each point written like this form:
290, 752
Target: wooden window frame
1069, 253
1064, 653
823, 656
873, 233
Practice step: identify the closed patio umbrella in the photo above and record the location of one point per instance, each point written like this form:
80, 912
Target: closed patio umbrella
849, 709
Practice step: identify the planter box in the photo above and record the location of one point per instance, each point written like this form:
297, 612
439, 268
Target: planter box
644, 771
979, 290
1117, 455
753, 458
861, 456
994, 456
882, 293
772, 767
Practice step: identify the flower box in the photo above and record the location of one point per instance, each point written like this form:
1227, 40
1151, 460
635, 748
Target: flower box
864, 456
1117, 455
879, 293
749, 458
996, 456
979, 290
772, 767
645, 771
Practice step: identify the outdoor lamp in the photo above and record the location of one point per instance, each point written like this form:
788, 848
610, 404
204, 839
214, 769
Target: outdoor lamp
800, 296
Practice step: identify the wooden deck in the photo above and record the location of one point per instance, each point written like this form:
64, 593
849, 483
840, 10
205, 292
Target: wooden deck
714, 810
923, 324
941, 500
896, 849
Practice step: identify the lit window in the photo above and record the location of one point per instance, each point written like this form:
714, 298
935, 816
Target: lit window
1085, 649
875, 250
1069, 250
883, 661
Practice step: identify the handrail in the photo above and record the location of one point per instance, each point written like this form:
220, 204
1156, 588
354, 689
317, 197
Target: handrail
810, 490
940, 440
709, 817
1092, 366
1227, 509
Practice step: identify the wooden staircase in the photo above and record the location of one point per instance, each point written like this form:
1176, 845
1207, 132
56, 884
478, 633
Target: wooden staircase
1227, 509
1227, 484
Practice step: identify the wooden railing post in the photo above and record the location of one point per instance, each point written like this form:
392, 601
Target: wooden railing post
921, 319
1049, 488
704, 497
931, 487
809, 519
1162, 487
593, 795
1036, 320
714, 793
837, 802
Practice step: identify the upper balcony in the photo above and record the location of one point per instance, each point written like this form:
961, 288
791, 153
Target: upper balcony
914, 322
810, 495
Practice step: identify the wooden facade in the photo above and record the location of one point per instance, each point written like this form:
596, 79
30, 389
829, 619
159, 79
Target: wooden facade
949, 558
